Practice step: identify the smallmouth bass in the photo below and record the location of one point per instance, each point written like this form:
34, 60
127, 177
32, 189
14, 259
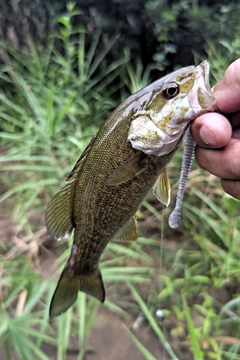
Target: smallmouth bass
122, 163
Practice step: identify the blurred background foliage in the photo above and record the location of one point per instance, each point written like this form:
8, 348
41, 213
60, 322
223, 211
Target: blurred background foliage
170, 33
64, 66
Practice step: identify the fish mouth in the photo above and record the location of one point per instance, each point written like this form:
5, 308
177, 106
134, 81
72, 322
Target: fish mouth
205, 96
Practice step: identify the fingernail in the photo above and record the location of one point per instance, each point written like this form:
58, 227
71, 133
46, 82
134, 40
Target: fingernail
207, 136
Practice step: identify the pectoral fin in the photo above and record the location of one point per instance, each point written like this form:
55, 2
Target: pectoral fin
127, 171
128, 232
162, 189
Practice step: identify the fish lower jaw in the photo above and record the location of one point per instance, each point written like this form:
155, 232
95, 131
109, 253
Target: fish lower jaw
161, 146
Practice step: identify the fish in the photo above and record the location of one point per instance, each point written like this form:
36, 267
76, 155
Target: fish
121, 164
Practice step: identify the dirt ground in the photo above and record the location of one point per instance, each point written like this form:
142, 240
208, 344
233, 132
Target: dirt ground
115, 344
108, 340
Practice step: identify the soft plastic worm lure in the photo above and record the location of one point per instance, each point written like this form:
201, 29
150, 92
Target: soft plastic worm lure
188, 155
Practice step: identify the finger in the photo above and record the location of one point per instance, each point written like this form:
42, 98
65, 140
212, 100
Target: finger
211, 130
227, 90
232, 187
223, 163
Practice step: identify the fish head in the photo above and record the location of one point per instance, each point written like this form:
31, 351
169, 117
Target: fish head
168, 106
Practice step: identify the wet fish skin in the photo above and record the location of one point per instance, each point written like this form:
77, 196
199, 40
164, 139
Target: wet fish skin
113, 176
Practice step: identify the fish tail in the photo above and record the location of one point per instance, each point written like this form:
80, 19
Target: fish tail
66, 292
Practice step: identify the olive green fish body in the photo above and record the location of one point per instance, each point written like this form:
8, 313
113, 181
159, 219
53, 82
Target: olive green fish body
122, 163
107, 207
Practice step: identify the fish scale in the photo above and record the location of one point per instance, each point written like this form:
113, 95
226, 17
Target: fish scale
122, 163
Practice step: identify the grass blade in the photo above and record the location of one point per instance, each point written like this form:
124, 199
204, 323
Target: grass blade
146, 353
152, 322
197, 352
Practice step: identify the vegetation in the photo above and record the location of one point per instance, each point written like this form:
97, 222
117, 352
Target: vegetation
53, 99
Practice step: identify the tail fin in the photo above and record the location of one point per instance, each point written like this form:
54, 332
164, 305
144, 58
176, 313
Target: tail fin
66, 292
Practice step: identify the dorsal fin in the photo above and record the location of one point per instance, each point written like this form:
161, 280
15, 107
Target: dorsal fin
80, 160
59, 214
59, 221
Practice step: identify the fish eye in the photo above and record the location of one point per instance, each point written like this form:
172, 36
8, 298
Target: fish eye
170, 91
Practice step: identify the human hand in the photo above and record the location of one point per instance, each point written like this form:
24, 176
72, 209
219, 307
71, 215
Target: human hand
218, 134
